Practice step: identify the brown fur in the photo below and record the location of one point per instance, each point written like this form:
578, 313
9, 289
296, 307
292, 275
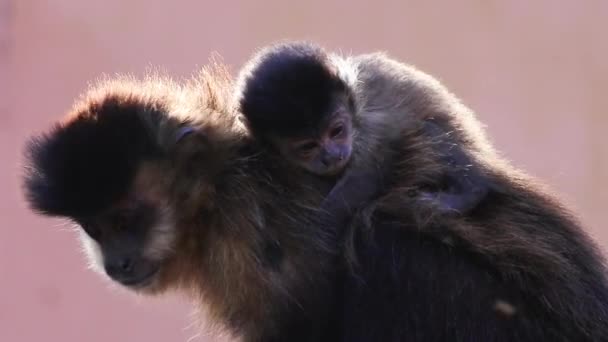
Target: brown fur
222, 192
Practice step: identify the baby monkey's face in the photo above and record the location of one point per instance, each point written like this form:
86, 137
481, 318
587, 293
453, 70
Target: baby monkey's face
326, 151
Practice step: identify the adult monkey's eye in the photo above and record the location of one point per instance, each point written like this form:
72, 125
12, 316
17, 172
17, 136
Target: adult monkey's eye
120, 221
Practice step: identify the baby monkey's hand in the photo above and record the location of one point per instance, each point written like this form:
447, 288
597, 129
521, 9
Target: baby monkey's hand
357, 187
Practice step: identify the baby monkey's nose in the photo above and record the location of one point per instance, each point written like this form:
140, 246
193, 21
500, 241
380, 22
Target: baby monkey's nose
331, 156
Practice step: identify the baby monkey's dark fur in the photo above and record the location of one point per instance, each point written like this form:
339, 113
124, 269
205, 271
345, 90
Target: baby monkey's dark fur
516, 267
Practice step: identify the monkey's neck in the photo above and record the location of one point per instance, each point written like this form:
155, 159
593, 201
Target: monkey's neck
255, 262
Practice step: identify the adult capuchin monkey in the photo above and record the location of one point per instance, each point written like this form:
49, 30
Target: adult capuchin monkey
514, 266
171, 193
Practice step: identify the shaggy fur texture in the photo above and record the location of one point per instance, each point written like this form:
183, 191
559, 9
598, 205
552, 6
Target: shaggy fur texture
255, 266
242, 240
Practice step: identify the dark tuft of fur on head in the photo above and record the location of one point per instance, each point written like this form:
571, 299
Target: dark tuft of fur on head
83, 165
289, 89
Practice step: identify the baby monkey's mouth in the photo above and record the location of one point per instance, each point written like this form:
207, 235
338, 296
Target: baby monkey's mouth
336, 169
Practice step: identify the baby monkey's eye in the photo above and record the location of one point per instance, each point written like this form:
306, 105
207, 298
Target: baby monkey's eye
336, 131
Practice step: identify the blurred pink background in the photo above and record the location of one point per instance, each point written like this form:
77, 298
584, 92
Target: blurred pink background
535, 72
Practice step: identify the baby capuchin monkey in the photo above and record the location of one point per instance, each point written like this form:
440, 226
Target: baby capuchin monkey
309, 106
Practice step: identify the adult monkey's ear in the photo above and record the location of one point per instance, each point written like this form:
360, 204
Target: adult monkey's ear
183, 132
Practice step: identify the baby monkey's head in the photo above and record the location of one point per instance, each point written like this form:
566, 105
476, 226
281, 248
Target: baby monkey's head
294, 99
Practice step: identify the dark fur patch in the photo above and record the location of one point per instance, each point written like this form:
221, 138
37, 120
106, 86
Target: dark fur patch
415, 288
80, 167
290, 89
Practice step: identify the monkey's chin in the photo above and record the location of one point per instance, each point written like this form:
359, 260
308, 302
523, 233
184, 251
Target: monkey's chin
335, 171
146, 283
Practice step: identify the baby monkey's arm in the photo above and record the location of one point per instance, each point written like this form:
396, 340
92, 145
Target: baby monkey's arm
358, 186
463, 185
